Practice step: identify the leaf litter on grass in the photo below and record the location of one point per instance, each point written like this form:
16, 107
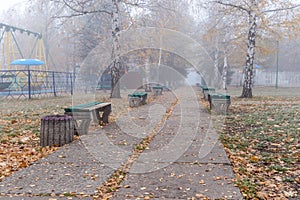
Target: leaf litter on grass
20, 130
261, 139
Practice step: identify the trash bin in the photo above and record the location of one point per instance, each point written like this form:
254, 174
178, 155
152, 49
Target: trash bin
56, 130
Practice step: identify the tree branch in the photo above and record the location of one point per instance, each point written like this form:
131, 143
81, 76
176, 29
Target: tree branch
282, 9
83, 12
231, 5
137, 3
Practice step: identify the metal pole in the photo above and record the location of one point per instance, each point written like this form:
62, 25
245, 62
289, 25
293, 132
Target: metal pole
29, 83
72, 77
277, 52
53, 82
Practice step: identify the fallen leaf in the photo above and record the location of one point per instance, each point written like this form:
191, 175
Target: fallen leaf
254, 159
23, 164
262, 195
200, 196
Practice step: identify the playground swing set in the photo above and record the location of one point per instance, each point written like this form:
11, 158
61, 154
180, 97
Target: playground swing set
16, 74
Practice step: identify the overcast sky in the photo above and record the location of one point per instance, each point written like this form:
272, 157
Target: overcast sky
5, 4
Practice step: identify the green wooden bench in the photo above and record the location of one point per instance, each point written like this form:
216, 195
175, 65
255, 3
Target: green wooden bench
219, 102
137, 98
202, 86
157, 90
103, 87
207, 90
83, 114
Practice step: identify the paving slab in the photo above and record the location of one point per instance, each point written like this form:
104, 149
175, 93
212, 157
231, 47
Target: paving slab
61, 172
181, 181
185, 160
44, 198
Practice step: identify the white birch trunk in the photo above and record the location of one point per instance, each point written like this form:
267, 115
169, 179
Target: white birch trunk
248, 73
116, 65
224, 72
216, 64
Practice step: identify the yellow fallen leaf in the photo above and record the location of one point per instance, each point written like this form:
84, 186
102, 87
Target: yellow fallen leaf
23, 164
199, 196
254, 159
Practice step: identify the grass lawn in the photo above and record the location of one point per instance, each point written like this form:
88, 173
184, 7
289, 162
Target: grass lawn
261, 138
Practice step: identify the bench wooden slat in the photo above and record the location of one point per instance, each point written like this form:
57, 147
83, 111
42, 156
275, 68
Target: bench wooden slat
81, 106
86, 107
138, 94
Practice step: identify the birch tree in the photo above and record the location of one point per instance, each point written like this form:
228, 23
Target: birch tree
116, 65
263, 17
113, 9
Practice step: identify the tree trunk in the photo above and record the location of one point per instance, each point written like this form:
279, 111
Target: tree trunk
216, 65
117, 63
147, 71
248, 72
224, 73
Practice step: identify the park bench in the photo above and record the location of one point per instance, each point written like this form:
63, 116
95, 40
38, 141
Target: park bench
157, 90
83, 114
137, 98
207, 90
103, 87
201, 86
219, 102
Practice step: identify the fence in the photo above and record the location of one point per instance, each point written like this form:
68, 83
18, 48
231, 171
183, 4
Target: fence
35, 83
283, 78
269, 78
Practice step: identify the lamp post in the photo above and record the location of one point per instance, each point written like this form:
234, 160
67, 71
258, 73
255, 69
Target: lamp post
74, 78
277, 52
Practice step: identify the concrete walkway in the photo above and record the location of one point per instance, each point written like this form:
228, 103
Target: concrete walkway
184, 159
